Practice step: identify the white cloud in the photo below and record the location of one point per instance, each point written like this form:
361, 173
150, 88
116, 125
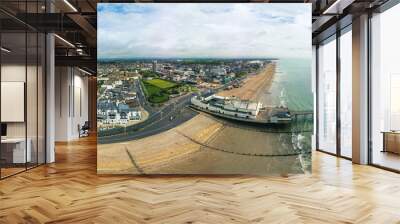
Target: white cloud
204, 30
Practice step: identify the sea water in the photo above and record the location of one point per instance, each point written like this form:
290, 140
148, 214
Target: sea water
292, 88
292, 85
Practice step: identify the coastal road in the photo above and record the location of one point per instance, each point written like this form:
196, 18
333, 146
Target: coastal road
157, 127
160, 119
142, 98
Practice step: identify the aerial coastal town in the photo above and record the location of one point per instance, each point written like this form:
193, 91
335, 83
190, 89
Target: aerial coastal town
131, 90
200, 99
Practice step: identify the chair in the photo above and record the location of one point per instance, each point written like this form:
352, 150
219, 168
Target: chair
84, 130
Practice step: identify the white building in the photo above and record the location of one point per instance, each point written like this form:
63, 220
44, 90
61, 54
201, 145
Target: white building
218, 71
228, 106
135, 115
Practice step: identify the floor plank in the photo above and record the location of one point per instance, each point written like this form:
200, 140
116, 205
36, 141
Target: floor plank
70, 191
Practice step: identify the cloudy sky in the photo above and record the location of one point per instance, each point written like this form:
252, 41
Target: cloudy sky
133, 30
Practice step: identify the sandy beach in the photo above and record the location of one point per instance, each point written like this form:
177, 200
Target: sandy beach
254, 85
158, 150
205, 145
200, 146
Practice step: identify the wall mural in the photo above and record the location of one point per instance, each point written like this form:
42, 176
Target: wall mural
204, 88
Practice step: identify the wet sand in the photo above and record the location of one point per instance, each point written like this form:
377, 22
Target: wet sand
157, 150
209, 161
206, 145
202, 145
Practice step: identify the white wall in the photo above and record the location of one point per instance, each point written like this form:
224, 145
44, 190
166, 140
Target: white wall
12, 73
80, 111
62, 81
70, 84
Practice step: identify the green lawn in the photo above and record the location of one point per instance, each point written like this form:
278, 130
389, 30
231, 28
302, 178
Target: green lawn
162, 84
159, 90
154, 94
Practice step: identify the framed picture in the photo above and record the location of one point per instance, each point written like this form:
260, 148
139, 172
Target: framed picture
201, 88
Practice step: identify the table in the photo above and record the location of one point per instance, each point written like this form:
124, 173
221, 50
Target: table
16, 147
391, 141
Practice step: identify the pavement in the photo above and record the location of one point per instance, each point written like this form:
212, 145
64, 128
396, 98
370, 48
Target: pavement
168, 121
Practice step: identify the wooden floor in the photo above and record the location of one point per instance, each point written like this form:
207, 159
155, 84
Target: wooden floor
69, 191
